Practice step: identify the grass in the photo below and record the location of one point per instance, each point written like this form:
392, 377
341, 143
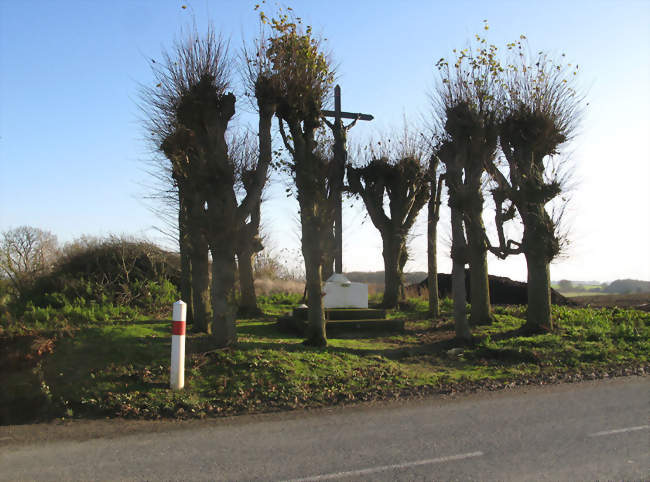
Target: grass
121, 369
573, 294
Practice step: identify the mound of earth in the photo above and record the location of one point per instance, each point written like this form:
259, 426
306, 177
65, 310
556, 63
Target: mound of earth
503, 291
112, 270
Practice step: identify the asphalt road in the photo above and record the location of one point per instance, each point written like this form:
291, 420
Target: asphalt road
590, 430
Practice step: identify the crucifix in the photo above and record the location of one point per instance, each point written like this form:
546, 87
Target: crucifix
340, 158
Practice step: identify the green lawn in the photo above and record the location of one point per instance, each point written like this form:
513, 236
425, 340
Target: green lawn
123, 369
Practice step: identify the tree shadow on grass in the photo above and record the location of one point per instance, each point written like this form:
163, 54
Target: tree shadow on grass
152, 321
266, 329
436, 338
522, 331
271, 330
93, 349
396, 353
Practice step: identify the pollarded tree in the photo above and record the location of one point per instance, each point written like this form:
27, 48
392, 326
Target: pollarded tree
404, 182
305, 76
246, 158
436, 178
192, 117
541, 111
448, 153
466, 109
265, 88
208, 114
195, 64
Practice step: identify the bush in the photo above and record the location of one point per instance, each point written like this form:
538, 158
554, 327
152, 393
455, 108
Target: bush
115, 271
154, 296
94, 281
285, 299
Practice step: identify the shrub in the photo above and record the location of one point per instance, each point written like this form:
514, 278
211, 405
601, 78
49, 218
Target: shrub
286, 299
115, 270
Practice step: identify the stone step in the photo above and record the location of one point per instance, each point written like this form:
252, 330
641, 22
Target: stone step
354, 314
377, 324
344, 313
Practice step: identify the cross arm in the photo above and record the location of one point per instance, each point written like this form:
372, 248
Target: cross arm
347, 115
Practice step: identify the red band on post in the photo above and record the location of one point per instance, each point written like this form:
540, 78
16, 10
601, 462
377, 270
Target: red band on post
178, 327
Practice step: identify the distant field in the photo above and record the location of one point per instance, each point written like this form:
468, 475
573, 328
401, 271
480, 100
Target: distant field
637, 300
578, 290
572, 294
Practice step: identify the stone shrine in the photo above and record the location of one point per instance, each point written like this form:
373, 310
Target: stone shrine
340, 292
346, 310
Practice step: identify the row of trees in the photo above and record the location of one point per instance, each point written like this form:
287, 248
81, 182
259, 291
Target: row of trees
218, 190
501, 122
498, 124
504, 120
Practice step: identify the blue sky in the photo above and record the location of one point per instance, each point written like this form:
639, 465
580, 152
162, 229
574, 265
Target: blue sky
72, 158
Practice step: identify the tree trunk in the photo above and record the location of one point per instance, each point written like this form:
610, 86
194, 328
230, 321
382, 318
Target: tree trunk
329, 258
248, 299
200, 268
330, 248
224, 303
316, 220
432, 270
433, 215
249, 242
185, 248
316, 331
458, 250
223, 232
200, 284
481, 310
537, 242
538, 317
338, 230
392, 253
186, 281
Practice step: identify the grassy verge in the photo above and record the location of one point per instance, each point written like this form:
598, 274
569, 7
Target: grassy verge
122, 369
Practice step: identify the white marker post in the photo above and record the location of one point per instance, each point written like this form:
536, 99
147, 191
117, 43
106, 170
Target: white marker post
177, 379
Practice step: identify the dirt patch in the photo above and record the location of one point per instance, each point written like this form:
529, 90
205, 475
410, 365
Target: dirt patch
19, 359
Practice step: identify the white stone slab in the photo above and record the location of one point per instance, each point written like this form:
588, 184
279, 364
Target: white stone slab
340, 292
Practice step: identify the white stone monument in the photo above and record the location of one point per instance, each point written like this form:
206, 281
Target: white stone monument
340, 292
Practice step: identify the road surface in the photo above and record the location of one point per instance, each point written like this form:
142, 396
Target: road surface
589, 430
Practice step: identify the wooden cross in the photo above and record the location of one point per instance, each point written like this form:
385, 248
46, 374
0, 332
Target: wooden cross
340, 158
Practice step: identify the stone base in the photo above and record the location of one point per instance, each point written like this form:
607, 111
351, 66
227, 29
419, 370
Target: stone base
342, 321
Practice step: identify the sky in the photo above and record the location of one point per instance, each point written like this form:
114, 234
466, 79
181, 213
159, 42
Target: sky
73, 159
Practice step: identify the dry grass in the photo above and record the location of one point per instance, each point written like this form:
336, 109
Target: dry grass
375, 288
265, 286
413, 291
